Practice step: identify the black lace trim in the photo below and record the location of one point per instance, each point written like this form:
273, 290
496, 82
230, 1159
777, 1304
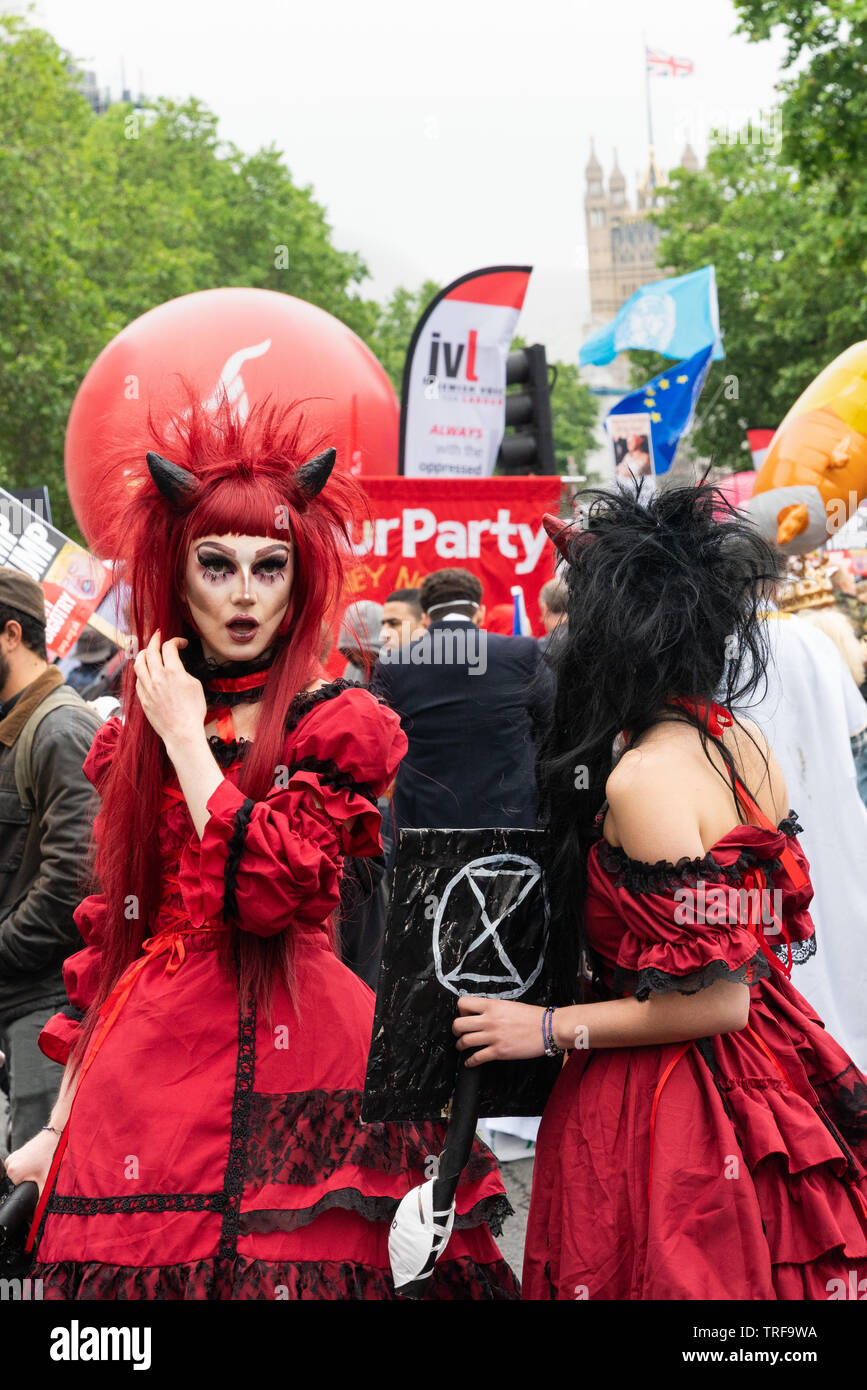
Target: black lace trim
300, 706
233, 1182
333, 774
845, 1096
490, 1211
61, 1205
206, 668
643, 983
233, 697
301, 1138
637, 876
800, 951
228, 753
306, 700
242, 1278
234, 851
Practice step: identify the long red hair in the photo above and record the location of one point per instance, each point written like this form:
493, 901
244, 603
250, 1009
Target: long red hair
245, 472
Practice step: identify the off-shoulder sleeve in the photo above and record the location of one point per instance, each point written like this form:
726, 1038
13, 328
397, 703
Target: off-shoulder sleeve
725, 916
274, 863
82, 969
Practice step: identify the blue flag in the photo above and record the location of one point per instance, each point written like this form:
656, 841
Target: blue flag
669, 403
676, 317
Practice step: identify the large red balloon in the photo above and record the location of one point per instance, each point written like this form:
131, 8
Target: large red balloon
256, 343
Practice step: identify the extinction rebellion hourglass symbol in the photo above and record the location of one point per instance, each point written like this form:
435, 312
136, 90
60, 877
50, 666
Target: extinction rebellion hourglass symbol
484, 966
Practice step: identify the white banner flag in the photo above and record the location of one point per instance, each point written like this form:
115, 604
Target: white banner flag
453, 405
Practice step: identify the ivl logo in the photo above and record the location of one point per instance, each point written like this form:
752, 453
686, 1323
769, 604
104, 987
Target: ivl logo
453, 356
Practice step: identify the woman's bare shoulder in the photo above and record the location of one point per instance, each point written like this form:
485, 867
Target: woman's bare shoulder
653, 809
757, 766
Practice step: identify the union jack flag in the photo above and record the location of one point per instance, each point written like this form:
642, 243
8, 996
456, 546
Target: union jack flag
666, 65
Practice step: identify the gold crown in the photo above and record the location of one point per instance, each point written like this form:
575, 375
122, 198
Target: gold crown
807, 583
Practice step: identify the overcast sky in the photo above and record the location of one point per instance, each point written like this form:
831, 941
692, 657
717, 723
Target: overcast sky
441, 137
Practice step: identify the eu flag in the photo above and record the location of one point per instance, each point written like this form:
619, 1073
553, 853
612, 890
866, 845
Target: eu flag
676, 317
669, 403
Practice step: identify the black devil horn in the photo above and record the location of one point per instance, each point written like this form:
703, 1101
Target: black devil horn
174, 482
311, 477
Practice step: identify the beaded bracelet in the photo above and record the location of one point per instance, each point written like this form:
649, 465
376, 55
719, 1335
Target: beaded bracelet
551, 1048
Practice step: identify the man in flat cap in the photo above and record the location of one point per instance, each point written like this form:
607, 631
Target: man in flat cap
46, 812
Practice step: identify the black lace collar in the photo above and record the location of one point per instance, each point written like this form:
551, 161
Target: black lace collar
210, 671
300, 706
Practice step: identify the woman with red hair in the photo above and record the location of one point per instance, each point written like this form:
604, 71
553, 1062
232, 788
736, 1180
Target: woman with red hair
207, 1142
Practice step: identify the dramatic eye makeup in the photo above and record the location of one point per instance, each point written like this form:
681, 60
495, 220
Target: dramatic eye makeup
215, 566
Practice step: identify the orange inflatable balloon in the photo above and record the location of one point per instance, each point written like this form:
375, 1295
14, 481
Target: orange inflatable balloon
250, 343
815, 473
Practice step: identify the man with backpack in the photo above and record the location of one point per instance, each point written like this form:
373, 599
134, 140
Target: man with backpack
47, 807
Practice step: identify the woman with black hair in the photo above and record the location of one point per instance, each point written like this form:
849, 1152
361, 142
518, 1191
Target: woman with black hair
705, 1138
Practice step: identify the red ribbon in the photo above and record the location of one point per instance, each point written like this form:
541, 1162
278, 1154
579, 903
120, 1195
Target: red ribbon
714, 716
228, 685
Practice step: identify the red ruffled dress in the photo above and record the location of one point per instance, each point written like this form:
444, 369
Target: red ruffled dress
728, 1168
210, 1155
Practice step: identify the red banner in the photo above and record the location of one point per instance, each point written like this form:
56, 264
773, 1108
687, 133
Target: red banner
490, 526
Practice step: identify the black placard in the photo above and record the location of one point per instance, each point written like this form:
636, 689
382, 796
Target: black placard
468, 915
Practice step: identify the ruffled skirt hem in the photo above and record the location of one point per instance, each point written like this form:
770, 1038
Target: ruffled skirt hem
241, 1278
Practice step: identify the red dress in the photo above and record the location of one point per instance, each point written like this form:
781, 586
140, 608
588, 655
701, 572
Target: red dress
729, 1168
212, 1154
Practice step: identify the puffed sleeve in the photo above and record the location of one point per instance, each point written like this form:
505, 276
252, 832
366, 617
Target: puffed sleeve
722, 917
82, 969
274, 863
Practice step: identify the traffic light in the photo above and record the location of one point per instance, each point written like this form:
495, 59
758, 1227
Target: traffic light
528, 444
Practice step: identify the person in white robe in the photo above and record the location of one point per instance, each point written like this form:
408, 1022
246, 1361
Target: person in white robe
808, 713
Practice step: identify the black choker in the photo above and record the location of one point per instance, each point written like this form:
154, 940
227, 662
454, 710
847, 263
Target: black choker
228, 682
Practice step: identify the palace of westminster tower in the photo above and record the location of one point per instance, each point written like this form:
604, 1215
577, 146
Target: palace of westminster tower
621, 255
621, 243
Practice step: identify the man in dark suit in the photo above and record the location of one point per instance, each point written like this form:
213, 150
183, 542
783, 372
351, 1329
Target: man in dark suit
472, 704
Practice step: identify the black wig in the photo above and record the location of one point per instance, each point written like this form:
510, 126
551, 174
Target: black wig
664, 600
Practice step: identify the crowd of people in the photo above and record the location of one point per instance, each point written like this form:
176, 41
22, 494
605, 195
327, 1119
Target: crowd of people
188, 961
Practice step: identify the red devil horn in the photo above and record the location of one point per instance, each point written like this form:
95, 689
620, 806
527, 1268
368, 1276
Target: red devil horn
174, 482
562, 533
311, 477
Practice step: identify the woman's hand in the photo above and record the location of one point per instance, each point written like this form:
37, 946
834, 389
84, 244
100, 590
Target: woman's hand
32, 1161
173, 700
503, 1029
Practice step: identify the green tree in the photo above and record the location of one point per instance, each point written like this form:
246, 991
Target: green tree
174, 210
106, 217
785, 226
791, 283
51, 310
825, 111
574, 417
393, 326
